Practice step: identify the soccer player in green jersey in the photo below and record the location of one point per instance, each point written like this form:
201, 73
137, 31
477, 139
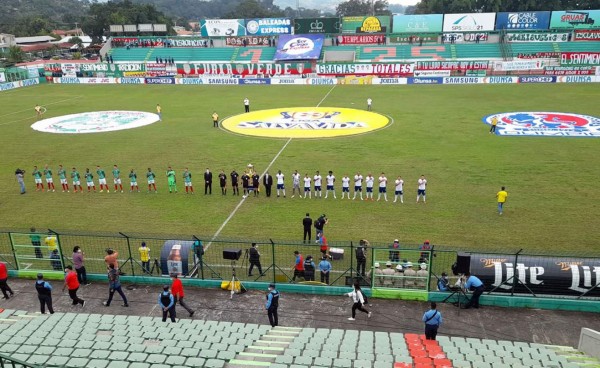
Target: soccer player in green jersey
101, 179
151, 184
76, 180
37, 176
171, 179
62, 174
187, 179
117, 178
49, 180
133, 181
89, 179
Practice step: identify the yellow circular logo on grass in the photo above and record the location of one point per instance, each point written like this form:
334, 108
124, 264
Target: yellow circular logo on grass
305, 122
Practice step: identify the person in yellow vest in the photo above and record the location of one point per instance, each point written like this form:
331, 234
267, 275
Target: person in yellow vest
51, 242
38, 111
145, 257
159, 112
501, 196
494, 123
215, 118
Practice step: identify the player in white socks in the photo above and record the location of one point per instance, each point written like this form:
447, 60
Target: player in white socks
382, 187
307, 186
370, 180
330, 180
345, 186
399, 190
358, 185
296, 184
317, 184
422, 185
280, 184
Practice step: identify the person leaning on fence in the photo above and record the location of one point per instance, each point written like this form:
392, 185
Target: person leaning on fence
254, 260
433, 320
359, 301
111, 258
166, 302
145, 257
114, 284
475, 284
388, 275
44, 291
325, 268
298, 266
309, 269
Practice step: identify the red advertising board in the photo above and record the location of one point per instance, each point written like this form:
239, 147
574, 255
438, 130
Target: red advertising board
587, 35
580, 58
267, 69
570, 70
361, 39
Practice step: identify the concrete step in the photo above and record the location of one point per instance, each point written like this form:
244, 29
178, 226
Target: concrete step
236, 363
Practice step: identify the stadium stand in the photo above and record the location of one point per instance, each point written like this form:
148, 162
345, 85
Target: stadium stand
253, 54
102, 340
477, 51
577, 46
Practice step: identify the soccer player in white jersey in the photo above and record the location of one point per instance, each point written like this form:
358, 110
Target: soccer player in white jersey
307, 180
370, 180
358, 185
382, 187
317, 178
399, 190
422, 185
345, 186
330, 180
280, 184
296, 184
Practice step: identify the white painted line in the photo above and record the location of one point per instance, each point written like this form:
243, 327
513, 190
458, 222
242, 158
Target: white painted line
32, 117
327, 95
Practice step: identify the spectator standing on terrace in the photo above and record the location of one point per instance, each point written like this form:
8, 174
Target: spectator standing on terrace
501, 197
177, 290
369, 104
36, 242
246, 104
78, 263
361, 257
215, 118
72, 285
325, 268
433, 320
298, 266
3, 284
114, 284
145, 257
359, 301
44, 291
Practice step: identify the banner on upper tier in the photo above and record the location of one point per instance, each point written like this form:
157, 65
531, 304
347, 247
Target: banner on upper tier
268, 26
242, 70
452, 65
587, 35
464, 37
366, 24
250, 41
523, 21
580, 58
413, 38
299, 47
536, 37
472, 22
571, 70
417, 23
575, 19
222, 27
358, 39
519, 65
317, 25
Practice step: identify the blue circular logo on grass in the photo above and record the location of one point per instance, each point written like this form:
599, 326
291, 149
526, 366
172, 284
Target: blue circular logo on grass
95, 122
549, 124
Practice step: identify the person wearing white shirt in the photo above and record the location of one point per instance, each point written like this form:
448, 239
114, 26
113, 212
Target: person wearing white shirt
307, 180
280, 184
369, 103
359, 301
317, 178
330, 180
370, 180
422, 185
246, 104
358, 185
399, 190
382, 187
296, 184
345, 186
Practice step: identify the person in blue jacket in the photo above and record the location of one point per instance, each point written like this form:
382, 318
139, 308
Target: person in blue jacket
325, 268
272, 305
166, 301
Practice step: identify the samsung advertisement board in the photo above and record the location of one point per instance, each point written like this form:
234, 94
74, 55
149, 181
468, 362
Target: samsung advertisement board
523, 21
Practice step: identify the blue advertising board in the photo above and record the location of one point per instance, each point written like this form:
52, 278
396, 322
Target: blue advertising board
433, 80
268, 26
523, 20
299, 47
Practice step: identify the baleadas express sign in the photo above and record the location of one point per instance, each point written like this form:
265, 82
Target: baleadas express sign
269, 69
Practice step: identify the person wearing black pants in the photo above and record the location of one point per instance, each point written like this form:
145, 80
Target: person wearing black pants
72, 284
475, 284
44, 290
114, 284
268, 183
359, 300
3, 284
361, 258
166, 302
272, 305
307, 223
208, 182
433, 320
254, 259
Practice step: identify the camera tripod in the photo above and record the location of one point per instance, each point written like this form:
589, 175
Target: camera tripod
234, 279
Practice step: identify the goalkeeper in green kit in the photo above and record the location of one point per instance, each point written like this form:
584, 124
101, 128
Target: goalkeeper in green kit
171, 180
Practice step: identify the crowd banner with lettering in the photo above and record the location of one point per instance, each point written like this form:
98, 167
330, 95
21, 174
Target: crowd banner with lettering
523, 21
575, 19
541, 275
243, 70
358, 39
250, 41
366, 24
465, 37
519, 65
379, 69
417, 23
536, 37
317, 25
570, 70
587, 35
452, 65
405, 38
580, 58
222, 27
299, 47
472, 22
539, 55
268, 26
151, 41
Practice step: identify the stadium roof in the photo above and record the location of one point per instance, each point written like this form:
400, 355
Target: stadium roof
36, 39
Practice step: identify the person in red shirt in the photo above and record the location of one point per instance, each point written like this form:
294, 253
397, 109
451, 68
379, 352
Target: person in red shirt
177, 291
3, 285
298, 266
72, 285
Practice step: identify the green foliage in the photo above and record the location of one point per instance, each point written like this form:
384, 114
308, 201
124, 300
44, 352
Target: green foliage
77, 55
39, 17
362, 7
76, 41
15, 54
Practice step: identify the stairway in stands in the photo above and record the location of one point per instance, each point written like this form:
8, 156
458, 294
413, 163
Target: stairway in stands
266, 349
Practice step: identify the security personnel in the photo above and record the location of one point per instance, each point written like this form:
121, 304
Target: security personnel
475, 284
272, 305
309, 269
422, 275
433, 320
409, 276
388, 275
44, 290
166, 301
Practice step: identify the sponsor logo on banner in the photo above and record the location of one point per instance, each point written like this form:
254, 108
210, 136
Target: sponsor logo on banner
462, 80
255, 81
417, 23
415, 38
305, 122
97, 80
464, 37
523, 21
576, 19
500, 80
435, 80
268, 26
221, 81
222, 27
473, 22
29, 82
286, 81
321, 81
576, 79
189, 81
366, 24
130, 80
9, 86
519, 65
546, 124
537, 79
361, 39
299, 47
317, 25
365, 69
93, 67
570, 70
160, 80
95, 122
250, 41
432, 73
587, 35
389, 81
536, 37
580, 58
68, 80
452, 65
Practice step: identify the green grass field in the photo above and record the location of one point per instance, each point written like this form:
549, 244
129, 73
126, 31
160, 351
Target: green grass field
437, 131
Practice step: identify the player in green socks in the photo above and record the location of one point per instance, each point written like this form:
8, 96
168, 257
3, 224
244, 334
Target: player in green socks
171, 180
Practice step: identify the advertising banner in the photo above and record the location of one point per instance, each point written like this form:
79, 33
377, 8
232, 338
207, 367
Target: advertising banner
519, 65
473, 22
463, 80
396, 69
268, 26
542, 275
536, 37
250, 41
361, 39
580, 58
570, 70
18, 84
222, 27
151, 41
576, 19
464, 37
389, 81
299, 47
537, 79
317, 25
366, 24
539, 55
432, 73
413, 38
587, 35
255, 81
160, 80
452, 65
417, 23
270, 69
433, 80
523, 21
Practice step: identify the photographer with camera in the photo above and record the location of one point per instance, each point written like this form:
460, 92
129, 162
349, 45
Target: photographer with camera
254, 259
20, 175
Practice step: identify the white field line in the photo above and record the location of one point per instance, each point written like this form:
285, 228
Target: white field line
33, 116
